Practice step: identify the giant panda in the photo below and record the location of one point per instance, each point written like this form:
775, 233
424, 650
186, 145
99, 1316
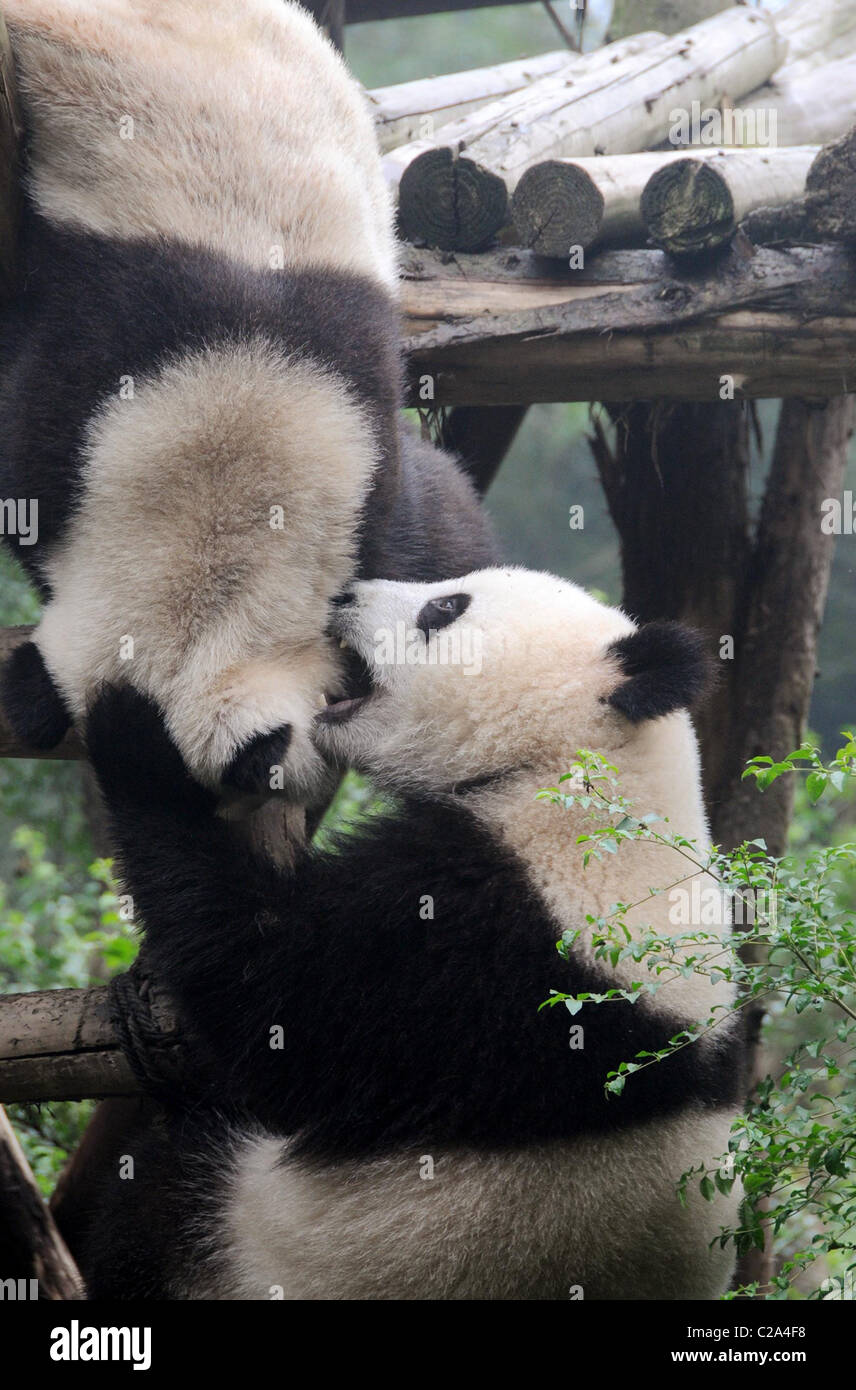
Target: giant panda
200, 377
389, 1113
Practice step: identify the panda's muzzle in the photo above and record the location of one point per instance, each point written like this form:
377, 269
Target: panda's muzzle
355, 690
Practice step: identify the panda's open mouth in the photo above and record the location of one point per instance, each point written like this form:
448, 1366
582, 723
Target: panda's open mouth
357, 687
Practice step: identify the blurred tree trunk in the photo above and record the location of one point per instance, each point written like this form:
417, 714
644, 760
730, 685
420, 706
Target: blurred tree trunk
330, 14
31, 1247
669, 16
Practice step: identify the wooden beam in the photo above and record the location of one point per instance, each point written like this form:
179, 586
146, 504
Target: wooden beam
60, 1044
498, 330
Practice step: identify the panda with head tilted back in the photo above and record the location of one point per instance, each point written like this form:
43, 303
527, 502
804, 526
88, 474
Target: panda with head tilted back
391, 1116
199, 376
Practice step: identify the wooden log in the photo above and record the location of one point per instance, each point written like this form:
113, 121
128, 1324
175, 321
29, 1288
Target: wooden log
827, 209
831, 191
812, 27
809, 106
454, 199
494, 329
693, 205
412, 110
557, 203
10, 135
564, 203
60, 1044
439, 161
34, 1254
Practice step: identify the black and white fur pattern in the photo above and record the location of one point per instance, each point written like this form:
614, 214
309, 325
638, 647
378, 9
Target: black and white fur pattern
424, 1132
199, 375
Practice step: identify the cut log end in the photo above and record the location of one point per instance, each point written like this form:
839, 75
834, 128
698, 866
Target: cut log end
831, 191
555, 207
688, 208
451, 202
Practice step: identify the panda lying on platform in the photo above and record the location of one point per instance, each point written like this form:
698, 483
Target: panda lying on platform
403, 1121
199, 377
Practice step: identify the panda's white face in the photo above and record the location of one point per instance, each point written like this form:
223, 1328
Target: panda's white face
501, 670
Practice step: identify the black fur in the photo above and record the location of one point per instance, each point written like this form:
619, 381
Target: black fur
35, 710
398, 1031
440, 612
666, 668
251, 766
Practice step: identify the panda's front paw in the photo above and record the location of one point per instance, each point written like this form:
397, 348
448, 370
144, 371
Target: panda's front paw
134, 758
34, 707
280, 762
256, 764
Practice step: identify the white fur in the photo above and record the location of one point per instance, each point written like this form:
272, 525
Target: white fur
249, 135
226, 612
600, 1213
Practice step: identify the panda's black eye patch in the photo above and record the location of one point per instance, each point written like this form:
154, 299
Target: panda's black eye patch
440, 612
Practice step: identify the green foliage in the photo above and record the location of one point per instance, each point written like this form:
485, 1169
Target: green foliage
794, 1151
355, 802
56, 936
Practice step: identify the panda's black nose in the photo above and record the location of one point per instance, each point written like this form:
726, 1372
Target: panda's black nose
342, 600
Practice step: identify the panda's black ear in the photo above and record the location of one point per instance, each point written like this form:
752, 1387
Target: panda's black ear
34, 708
665, 667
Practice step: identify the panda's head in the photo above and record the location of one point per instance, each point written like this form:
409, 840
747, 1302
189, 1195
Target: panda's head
456, 683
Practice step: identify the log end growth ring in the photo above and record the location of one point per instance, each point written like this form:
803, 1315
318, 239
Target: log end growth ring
688, 208
556, 206
451, 202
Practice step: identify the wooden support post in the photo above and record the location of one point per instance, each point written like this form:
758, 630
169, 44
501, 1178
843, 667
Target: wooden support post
678, 474
481, 437
331, 16
779, 618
